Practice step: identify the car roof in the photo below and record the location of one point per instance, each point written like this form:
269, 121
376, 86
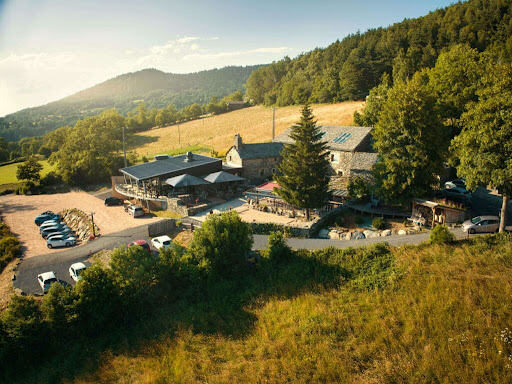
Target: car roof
162, 238
488, 217
78, 266
139, 242
56, 236
459, 189
47, 275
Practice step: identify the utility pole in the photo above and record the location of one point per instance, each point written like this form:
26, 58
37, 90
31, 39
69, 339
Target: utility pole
93, 230
273, 122
124, 150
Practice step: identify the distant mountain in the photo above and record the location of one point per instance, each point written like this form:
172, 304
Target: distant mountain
156, 88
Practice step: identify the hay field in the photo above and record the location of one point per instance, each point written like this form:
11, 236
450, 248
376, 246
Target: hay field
254, 124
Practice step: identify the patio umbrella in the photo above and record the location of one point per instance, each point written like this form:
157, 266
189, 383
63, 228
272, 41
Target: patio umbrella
185, 180
222, 177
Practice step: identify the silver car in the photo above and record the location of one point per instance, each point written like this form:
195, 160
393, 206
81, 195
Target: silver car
481, 224
135, 211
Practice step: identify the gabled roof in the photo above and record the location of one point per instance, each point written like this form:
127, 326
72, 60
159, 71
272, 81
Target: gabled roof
167, 166
363, 161
260, 150
337, 137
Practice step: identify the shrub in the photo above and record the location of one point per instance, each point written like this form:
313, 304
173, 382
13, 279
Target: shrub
144, 159
359, 189
51, 179
441, 235
222, 243
277, 249
359, 220
9, 249
379, 223
58, 308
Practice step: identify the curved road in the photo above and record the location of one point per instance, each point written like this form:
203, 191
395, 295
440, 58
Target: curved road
28, 269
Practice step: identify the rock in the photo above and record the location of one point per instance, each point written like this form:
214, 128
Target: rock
369, 234
386, 232
323, 233
402, 232
356, 235
412, 232
334, 235
416, 228
347, 236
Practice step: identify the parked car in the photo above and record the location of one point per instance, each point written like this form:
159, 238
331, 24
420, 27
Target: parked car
113, 201
457, 191
460, 183
63, 230
481, 224
60, 241
141, 243
76, 270
162, 242
40, 219
50, 223
46, 280
135, 211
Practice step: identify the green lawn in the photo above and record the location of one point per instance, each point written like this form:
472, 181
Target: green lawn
8, 172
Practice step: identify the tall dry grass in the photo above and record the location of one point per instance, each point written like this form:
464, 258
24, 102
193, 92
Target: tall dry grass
254, 124
444, 318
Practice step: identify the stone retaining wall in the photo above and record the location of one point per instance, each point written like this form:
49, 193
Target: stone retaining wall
80, 222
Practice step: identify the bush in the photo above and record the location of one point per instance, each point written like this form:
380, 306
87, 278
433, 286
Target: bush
359, 189
441, 235
51, 179
359, 220
26, 187
277, 249
222, 243
9, 249
379, 223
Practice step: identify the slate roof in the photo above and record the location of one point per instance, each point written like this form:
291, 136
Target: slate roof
168, 166
363, 161
260, 150
337, 137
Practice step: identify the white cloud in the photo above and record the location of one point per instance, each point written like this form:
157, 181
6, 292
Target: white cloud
187, 39
197, 56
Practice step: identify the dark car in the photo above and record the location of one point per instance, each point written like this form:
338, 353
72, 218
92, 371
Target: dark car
46, 216
113, 201
141, 243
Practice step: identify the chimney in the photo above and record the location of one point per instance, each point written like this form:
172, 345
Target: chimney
238, 141
189, 157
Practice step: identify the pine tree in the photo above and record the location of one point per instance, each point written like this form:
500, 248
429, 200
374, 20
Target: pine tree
303, 169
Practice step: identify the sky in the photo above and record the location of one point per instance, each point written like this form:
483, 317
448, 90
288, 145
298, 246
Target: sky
52, 49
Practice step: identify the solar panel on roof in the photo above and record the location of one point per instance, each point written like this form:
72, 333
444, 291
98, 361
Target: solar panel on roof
342, 138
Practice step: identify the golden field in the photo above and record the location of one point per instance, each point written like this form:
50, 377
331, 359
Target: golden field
254, 124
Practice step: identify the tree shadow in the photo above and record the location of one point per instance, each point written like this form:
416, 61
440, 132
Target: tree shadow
135, 141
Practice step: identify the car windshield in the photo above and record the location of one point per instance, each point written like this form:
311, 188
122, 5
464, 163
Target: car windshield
79, 271
476, 220
50, 281
167, 242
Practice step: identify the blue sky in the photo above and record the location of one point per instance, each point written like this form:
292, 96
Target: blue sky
51, 49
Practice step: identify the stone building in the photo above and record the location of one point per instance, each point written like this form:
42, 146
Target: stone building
350, 155
255, 162
350, 152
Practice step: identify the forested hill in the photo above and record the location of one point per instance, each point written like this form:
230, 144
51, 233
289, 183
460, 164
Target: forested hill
348, 69
158, 89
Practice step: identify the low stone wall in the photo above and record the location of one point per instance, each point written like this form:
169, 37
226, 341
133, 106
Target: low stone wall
80, 222
343, 234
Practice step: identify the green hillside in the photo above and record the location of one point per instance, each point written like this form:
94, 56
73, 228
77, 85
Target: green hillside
156, 88
348, 69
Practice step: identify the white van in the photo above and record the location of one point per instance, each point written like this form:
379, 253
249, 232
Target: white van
136, 211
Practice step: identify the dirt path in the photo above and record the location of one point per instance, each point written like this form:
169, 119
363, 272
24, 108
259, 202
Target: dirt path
19, 212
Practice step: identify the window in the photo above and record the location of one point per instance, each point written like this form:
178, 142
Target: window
335, 158
229, 158
340, 173
262, 172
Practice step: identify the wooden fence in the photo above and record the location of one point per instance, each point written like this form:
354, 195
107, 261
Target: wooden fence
161, 228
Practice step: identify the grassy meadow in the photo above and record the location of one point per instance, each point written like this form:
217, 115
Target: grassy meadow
413, 314
8, 172
254, 124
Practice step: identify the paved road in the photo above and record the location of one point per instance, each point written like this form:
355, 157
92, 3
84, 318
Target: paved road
26, 278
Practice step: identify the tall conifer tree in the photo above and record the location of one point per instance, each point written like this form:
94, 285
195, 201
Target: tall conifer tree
303, 171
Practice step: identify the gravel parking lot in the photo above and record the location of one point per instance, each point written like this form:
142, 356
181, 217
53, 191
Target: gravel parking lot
19, 212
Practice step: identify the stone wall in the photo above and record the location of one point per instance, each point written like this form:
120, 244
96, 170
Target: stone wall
80, 223
342, 165
259, 170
